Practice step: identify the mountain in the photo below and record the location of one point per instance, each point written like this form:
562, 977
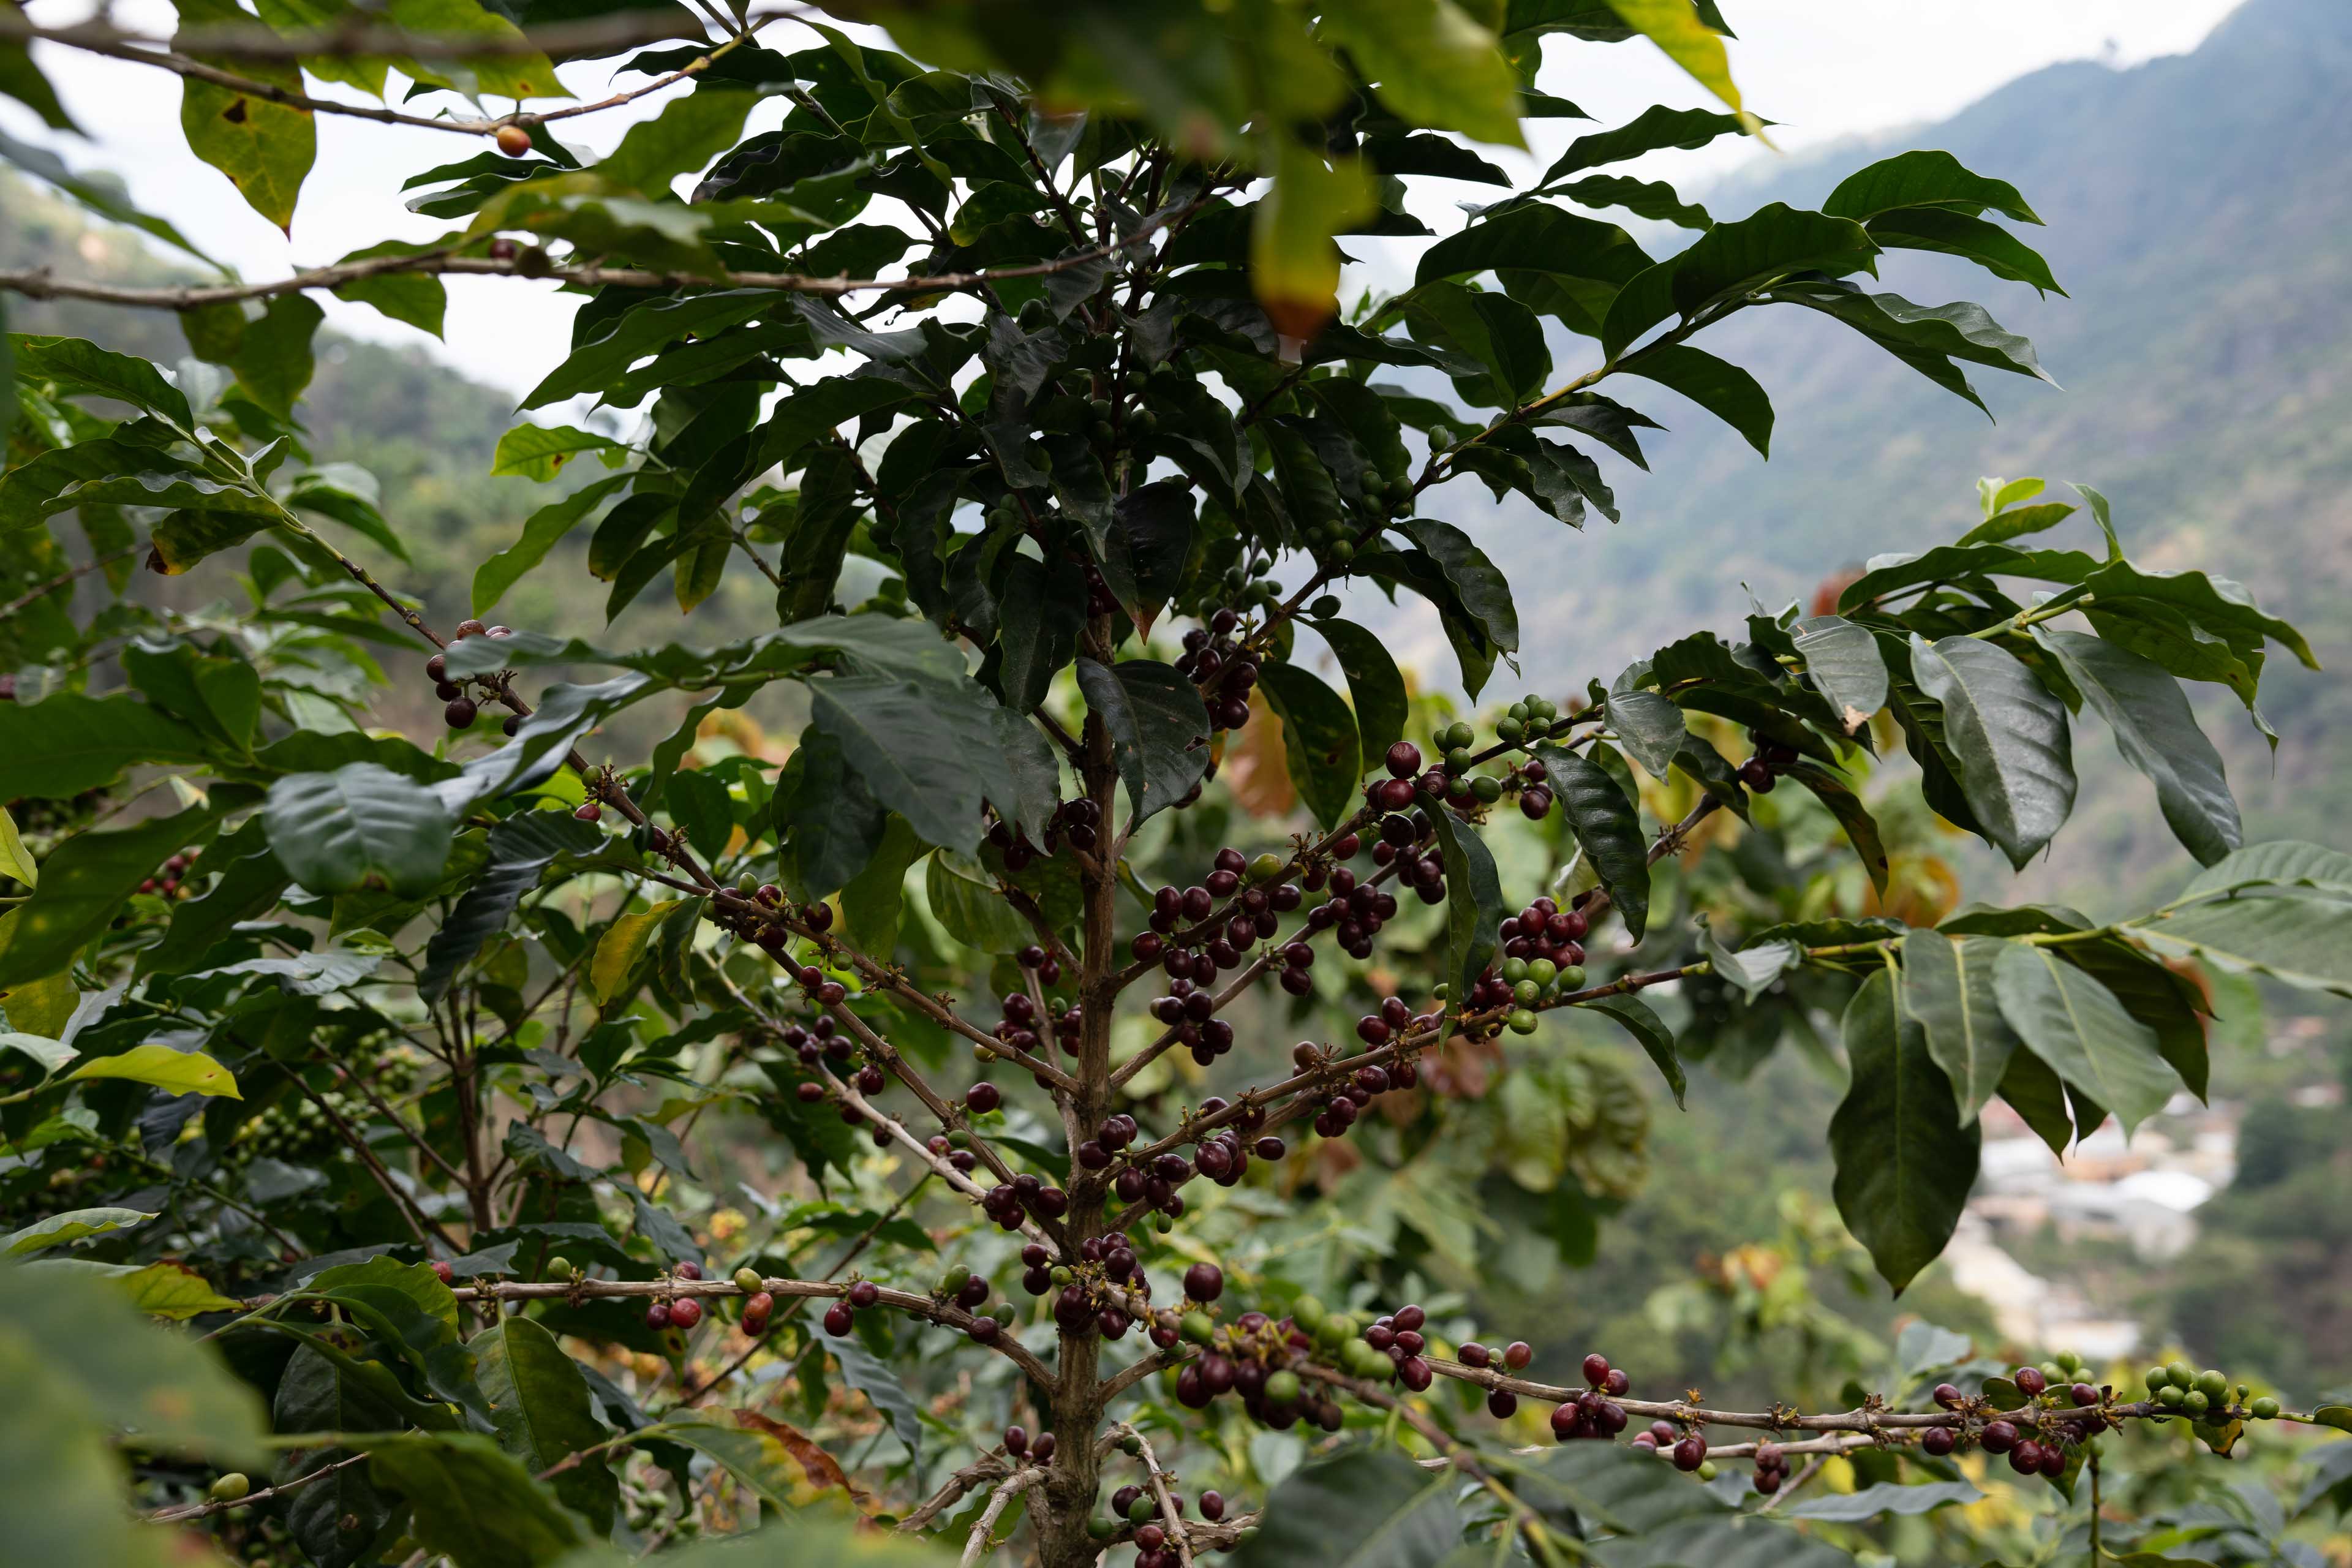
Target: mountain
2202, 225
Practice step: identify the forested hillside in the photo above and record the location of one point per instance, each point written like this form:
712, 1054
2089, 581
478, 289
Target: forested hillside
2202, 229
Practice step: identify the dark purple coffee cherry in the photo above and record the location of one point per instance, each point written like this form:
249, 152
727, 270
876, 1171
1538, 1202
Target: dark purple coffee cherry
1517, 1354
839, 1320
1690, 1453
984, 1097
460, 713
864, 1293
2029, 1382
1937, 1441
1998, 1437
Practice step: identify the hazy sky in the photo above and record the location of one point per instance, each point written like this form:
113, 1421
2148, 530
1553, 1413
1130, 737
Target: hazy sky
1824, 70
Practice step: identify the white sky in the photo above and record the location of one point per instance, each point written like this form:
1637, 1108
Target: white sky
1824, 70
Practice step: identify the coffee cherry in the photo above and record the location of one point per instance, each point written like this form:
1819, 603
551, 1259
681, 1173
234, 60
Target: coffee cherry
2212, 1384
2263, 1409
1204, 1282
1690, 1453
442, 1271
1596, 1369
1517, 1354
1936, 1440
513, 140
2084, 1395
2026, 1457
983, 1330
839, 1320
864, 1293
469, 628
1474, 1354
233, 1487
1502, 1404
460, 713
984, 1097
2195, 1404
2029, 1382
1404, 760
1998, 1437
685, 1312
657, 1315
1757, 774
1948, 1397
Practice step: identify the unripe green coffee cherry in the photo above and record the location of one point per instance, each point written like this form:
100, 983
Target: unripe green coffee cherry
1706, 1470
1143, 1509
1131, 1445
1197, 1327
233, 1487
2182, 1374
1266, 867
1457, 760
559, 1268
1514, 971
2171, 1395
2212, 1384
1522, 1022
1487, 791
1308, 1312
1516, 712
2157, 1378
1571, 977
748, 1281
1542, 971
1101, 1529
1527, 992
2195, 1403
1061, 1274
1163, 1223
2264, 1409
1510, 731
955, 1278
1282, 1388
1332, 1333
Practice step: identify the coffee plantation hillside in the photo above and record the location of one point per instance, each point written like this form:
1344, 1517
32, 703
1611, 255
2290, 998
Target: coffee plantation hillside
1010, 369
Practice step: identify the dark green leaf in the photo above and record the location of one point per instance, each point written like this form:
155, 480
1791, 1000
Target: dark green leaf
1474, 900
1844, 663
1144, 547
333, 831
1652, 199
1861, 829
79, 367
1887, 574
1608, 828
2305, 940
84, 881
1374, 684
1359, 1508
1486, 593
520, 849
1923, 179
2281, 863
828, 823
70, 742
1905, 1162
913, 743
1651, 1030
540, 1405
1887, 1497
2008, 736
541, 532
1927, 338
1158, 730
274, 364
1948, 986
1653, 129
1720, 387
1651, 729
2157, 733
1044, 608
1318, 737
2017, 523
474, 1503
1732, 259
1987, 245
2075, 1025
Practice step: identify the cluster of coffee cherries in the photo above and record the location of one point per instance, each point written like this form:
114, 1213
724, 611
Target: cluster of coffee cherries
1106, 1289
1019, 1025
1078, 822
680, 1312
1771, 1469
1136, 1515
759, 1306
462, 710
1347, 1099
1194, 949
1595, 1412
1256, 1357
862, 1295
1501, 1403
297, 1131
2177, 1386
172, 877
1759, 772
969, 1291
1543, 960
1037, 1450
1008, 1204
1222, 670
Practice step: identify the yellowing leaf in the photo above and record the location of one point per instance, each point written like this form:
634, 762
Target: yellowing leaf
1294, 264
16, 862
624, 942
1673, 26
264, 147
41, 1007
179, 1072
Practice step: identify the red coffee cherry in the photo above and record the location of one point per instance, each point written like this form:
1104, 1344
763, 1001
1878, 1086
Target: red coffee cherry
685, 1312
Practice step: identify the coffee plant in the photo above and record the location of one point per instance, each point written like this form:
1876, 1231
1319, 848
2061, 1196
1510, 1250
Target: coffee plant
416, 1074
